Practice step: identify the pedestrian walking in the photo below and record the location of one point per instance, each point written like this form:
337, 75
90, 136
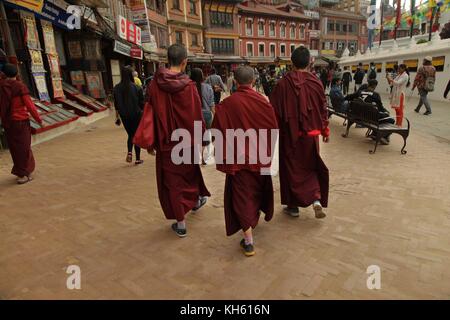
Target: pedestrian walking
346, 79
215, 81
301, 109
247, 190
207, 96
129, 102
424, 81
15, 109
173, 105
398, 95
372, 72
358, 77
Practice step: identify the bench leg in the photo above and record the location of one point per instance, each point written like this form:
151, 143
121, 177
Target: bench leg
376, 143
349, 124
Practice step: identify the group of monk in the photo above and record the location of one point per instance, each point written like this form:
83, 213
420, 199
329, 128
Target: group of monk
297, 107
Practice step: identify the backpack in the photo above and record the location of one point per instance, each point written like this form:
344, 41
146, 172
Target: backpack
372, 74
429, 84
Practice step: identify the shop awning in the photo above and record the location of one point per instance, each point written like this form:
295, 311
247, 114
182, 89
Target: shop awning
200, 58
229, 59
320, 63
90, 3
257, 60
329, 58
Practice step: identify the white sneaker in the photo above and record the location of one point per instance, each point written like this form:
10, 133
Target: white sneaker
318, 210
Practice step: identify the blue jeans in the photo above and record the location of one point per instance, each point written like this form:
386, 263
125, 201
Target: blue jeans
423, 100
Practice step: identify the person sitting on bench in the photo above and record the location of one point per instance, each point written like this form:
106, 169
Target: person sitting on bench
368, 95
337, 98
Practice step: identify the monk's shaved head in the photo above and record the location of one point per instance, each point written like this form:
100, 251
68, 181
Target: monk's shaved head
176, 54
244, 75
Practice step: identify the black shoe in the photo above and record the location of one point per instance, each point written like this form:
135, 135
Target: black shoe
248, 248
292, 211
180, 232
416, 110
427, 113
201, 202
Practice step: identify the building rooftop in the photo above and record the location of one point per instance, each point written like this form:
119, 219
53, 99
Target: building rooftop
268, 10
341, 14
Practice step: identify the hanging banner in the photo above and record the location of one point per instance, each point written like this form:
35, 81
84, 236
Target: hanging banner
77, 78
31, 35
49, 37
37, 63
127, 30
92, 50
94, 84
53, 61
58, 91
33, 5
74, 47
41, 86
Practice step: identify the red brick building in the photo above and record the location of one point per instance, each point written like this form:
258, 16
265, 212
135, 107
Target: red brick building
269, 33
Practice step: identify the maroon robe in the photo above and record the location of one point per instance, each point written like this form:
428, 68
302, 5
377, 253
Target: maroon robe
300, 105
172, 103
18, 133
247, 191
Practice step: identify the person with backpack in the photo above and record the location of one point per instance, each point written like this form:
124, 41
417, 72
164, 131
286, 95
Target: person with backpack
346, 79
215, 81
372, 74
15, 109
424, 81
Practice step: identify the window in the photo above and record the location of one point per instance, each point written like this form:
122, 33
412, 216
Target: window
283, 30
249, 49
344, 28
439, 63
179, 37
163, 38
292, 48
302, 32
194, 39
261, 28
272, 50
249, 27
221, 19
330, 26
292, 32
261, 50
176, 4
192, 7
283, 50
338, 27
222, 46
272, 29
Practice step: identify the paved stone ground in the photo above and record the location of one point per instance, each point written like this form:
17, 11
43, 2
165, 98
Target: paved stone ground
87, 207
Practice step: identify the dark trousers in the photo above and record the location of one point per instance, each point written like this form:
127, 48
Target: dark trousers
217, 96
345, 87
131, 124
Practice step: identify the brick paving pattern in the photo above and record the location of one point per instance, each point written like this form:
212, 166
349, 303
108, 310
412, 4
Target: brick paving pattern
88, 207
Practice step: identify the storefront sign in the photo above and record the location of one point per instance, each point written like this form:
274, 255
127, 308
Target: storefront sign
127, 30
122, 48
314, 34
136, 53
33, 5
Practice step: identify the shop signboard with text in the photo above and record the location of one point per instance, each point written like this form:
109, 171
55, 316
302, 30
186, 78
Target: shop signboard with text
127, 30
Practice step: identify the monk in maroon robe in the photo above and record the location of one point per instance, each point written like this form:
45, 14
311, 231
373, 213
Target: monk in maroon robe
248, 185
300, 105
15, 107
173, 105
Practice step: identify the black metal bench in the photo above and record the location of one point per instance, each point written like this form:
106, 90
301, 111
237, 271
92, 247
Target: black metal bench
333, 111
367, 116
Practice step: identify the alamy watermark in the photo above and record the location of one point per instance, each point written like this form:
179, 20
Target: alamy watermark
242, 147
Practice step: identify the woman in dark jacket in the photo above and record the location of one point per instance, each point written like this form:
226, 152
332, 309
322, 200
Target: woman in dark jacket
129, 103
